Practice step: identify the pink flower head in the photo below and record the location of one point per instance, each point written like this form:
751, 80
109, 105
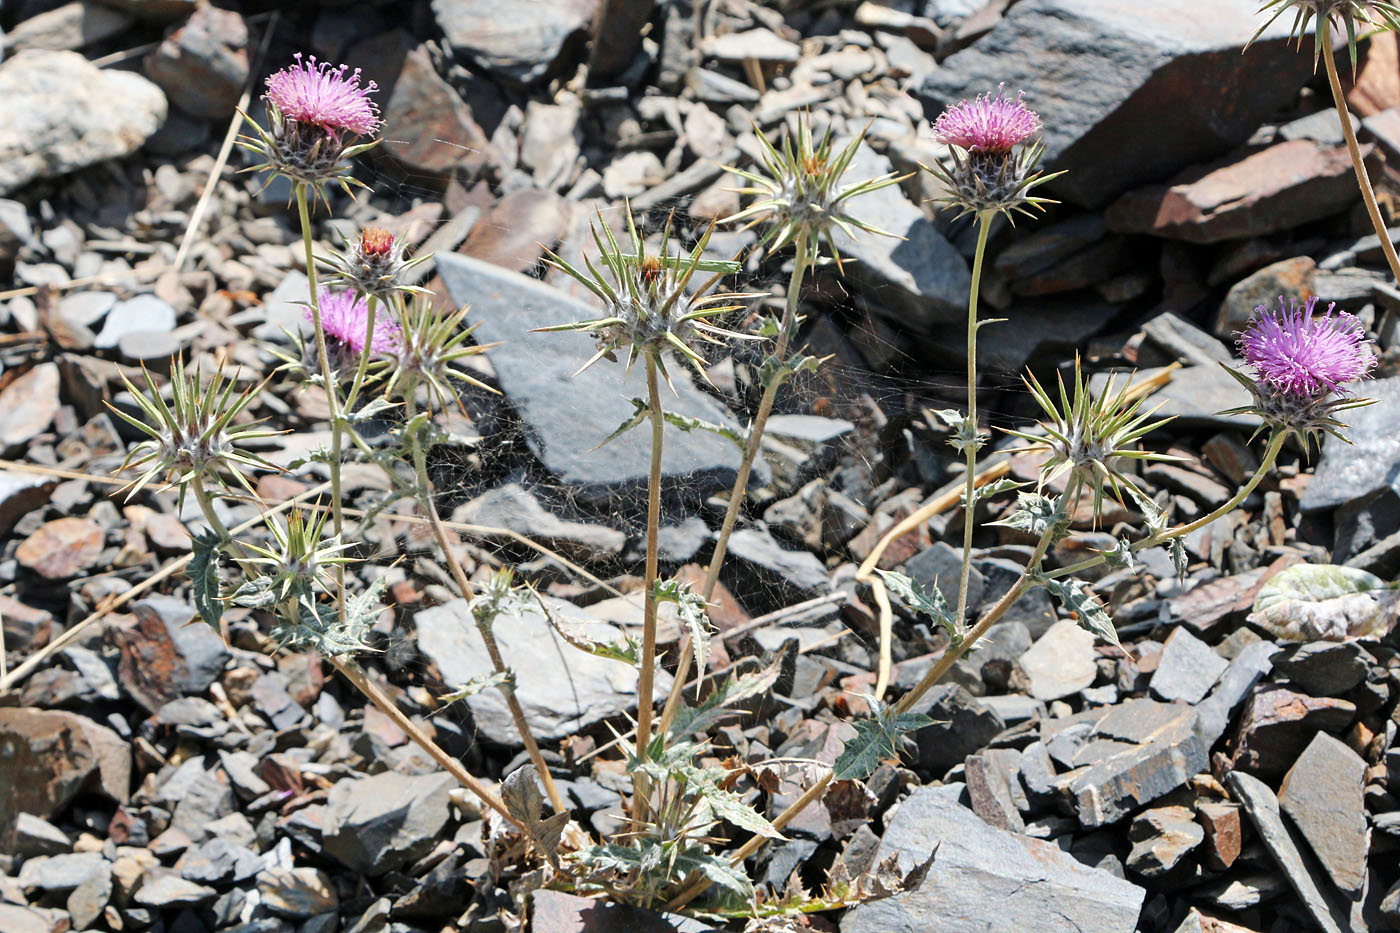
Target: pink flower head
1304, 356
987, 124
323, 95
345, 317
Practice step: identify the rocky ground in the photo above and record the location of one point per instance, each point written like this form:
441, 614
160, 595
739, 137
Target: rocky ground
1226, 774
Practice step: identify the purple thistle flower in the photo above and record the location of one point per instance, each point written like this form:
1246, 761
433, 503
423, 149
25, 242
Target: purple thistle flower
1303, 356
322, 94
987, 124
344, 317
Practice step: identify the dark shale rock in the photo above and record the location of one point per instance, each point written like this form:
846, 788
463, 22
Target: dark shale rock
164, 656
1161, 838
1163, 56
962, 725
1277, 724
1326, 668
1347, 472
203, 65
536, 373
385, 821
557, 912
1321, 793
48, 757
1187, 669
1029, 884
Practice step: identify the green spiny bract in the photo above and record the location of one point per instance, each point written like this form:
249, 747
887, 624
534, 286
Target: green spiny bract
197, 434
801, 189
431, 348
373, 264
1380, 14
1089, 436
649, 305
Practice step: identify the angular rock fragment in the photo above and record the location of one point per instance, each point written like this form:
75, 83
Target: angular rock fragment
1347, 472
1061, 662
48, 757
1163, 57
981, 871
520, 39
384, 821
1321, 793
1277, 725
1161, 838
164, 656
1187, 669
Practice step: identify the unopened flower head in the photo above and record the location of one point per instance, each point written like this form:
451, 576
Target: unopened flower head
1302, 364
314, 111
993, 160
803, 189
198, 434
1302, 354
430, 350
987, 124
649, 304
373, 264
1346, 15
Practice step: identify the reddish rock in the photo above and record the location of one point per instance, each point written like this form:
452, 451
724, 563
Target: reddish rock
1322, 794
62, 548
48, 757
518, 228
167, 653
1290, 278
28, 404
1377, 85
203, 65
428, 127
1277, 724
1224, 833
1268, 191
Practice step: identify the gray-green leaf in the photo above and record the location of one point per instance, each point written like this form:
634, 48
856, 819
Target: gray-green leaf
204, 575
1326, 602
1087, 610
1035, 515
930, 602
876, 740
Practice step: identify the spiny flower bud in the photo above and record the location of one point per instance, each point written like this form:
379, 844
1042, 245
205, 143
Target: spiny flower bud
373, 264
1345, 14
993, 170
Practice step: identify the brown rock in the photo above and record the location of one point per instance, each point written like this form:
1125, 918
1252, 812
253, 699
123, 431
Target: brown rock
1224, 833
166, 653
519, 226
1322, 794
62, 548
28, 404
1377, 85
48, 757
1275, 189
1291, 278
1161, 838
1277, 724
428, 127
26, 628
203, 65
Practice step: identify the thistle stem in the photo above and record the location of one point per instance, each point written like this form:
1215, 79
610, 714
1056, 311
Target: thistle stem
1026, 580
365, 354
452, 766
1324, 39
647, 674
332, 402
801, 260
488, 637
984, 222
206, 505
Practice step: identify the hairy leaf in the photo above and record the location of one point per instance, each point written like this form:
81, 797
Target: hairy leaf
1036, 515
478, 684
688, 424
716, 869
318, 625
929, 602
523, 799
1326, 602
203, 569
1120, 555
693, 613
1086, 608
1176, 550
639, 414
994, 488
714, 709
877, 739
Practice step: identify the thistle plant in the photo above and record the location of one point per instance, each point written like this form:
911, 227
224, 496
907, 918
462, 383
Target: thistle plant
993, 172
1324, 15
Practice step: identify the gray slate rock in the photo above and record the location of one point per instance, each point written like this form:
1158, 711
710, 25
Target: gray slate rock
985, 878
922, 279
382, 822
516, 39
561, 688
1347, 472
59, 113
1187, 669
1061, 662
1328, 908
1322, 794
1213, 713
144, 314
565, 415
1161, 838
1327, 668
962, 724
1163, 56
514, 507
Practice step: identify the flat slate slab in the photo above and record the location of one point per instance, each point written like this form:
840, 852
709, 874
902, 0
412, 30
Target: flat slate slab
985, 878
565, 416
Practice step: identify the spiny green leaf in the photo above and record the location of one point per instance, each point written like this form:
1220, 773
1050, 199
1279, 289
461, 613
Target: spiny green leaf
692, 611
994, 488
929, 602
203, 569
1120, 555
876, 740
714, 708
716, 869
1036, 515
688, 424
477, 684
641, 410
1086, 608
